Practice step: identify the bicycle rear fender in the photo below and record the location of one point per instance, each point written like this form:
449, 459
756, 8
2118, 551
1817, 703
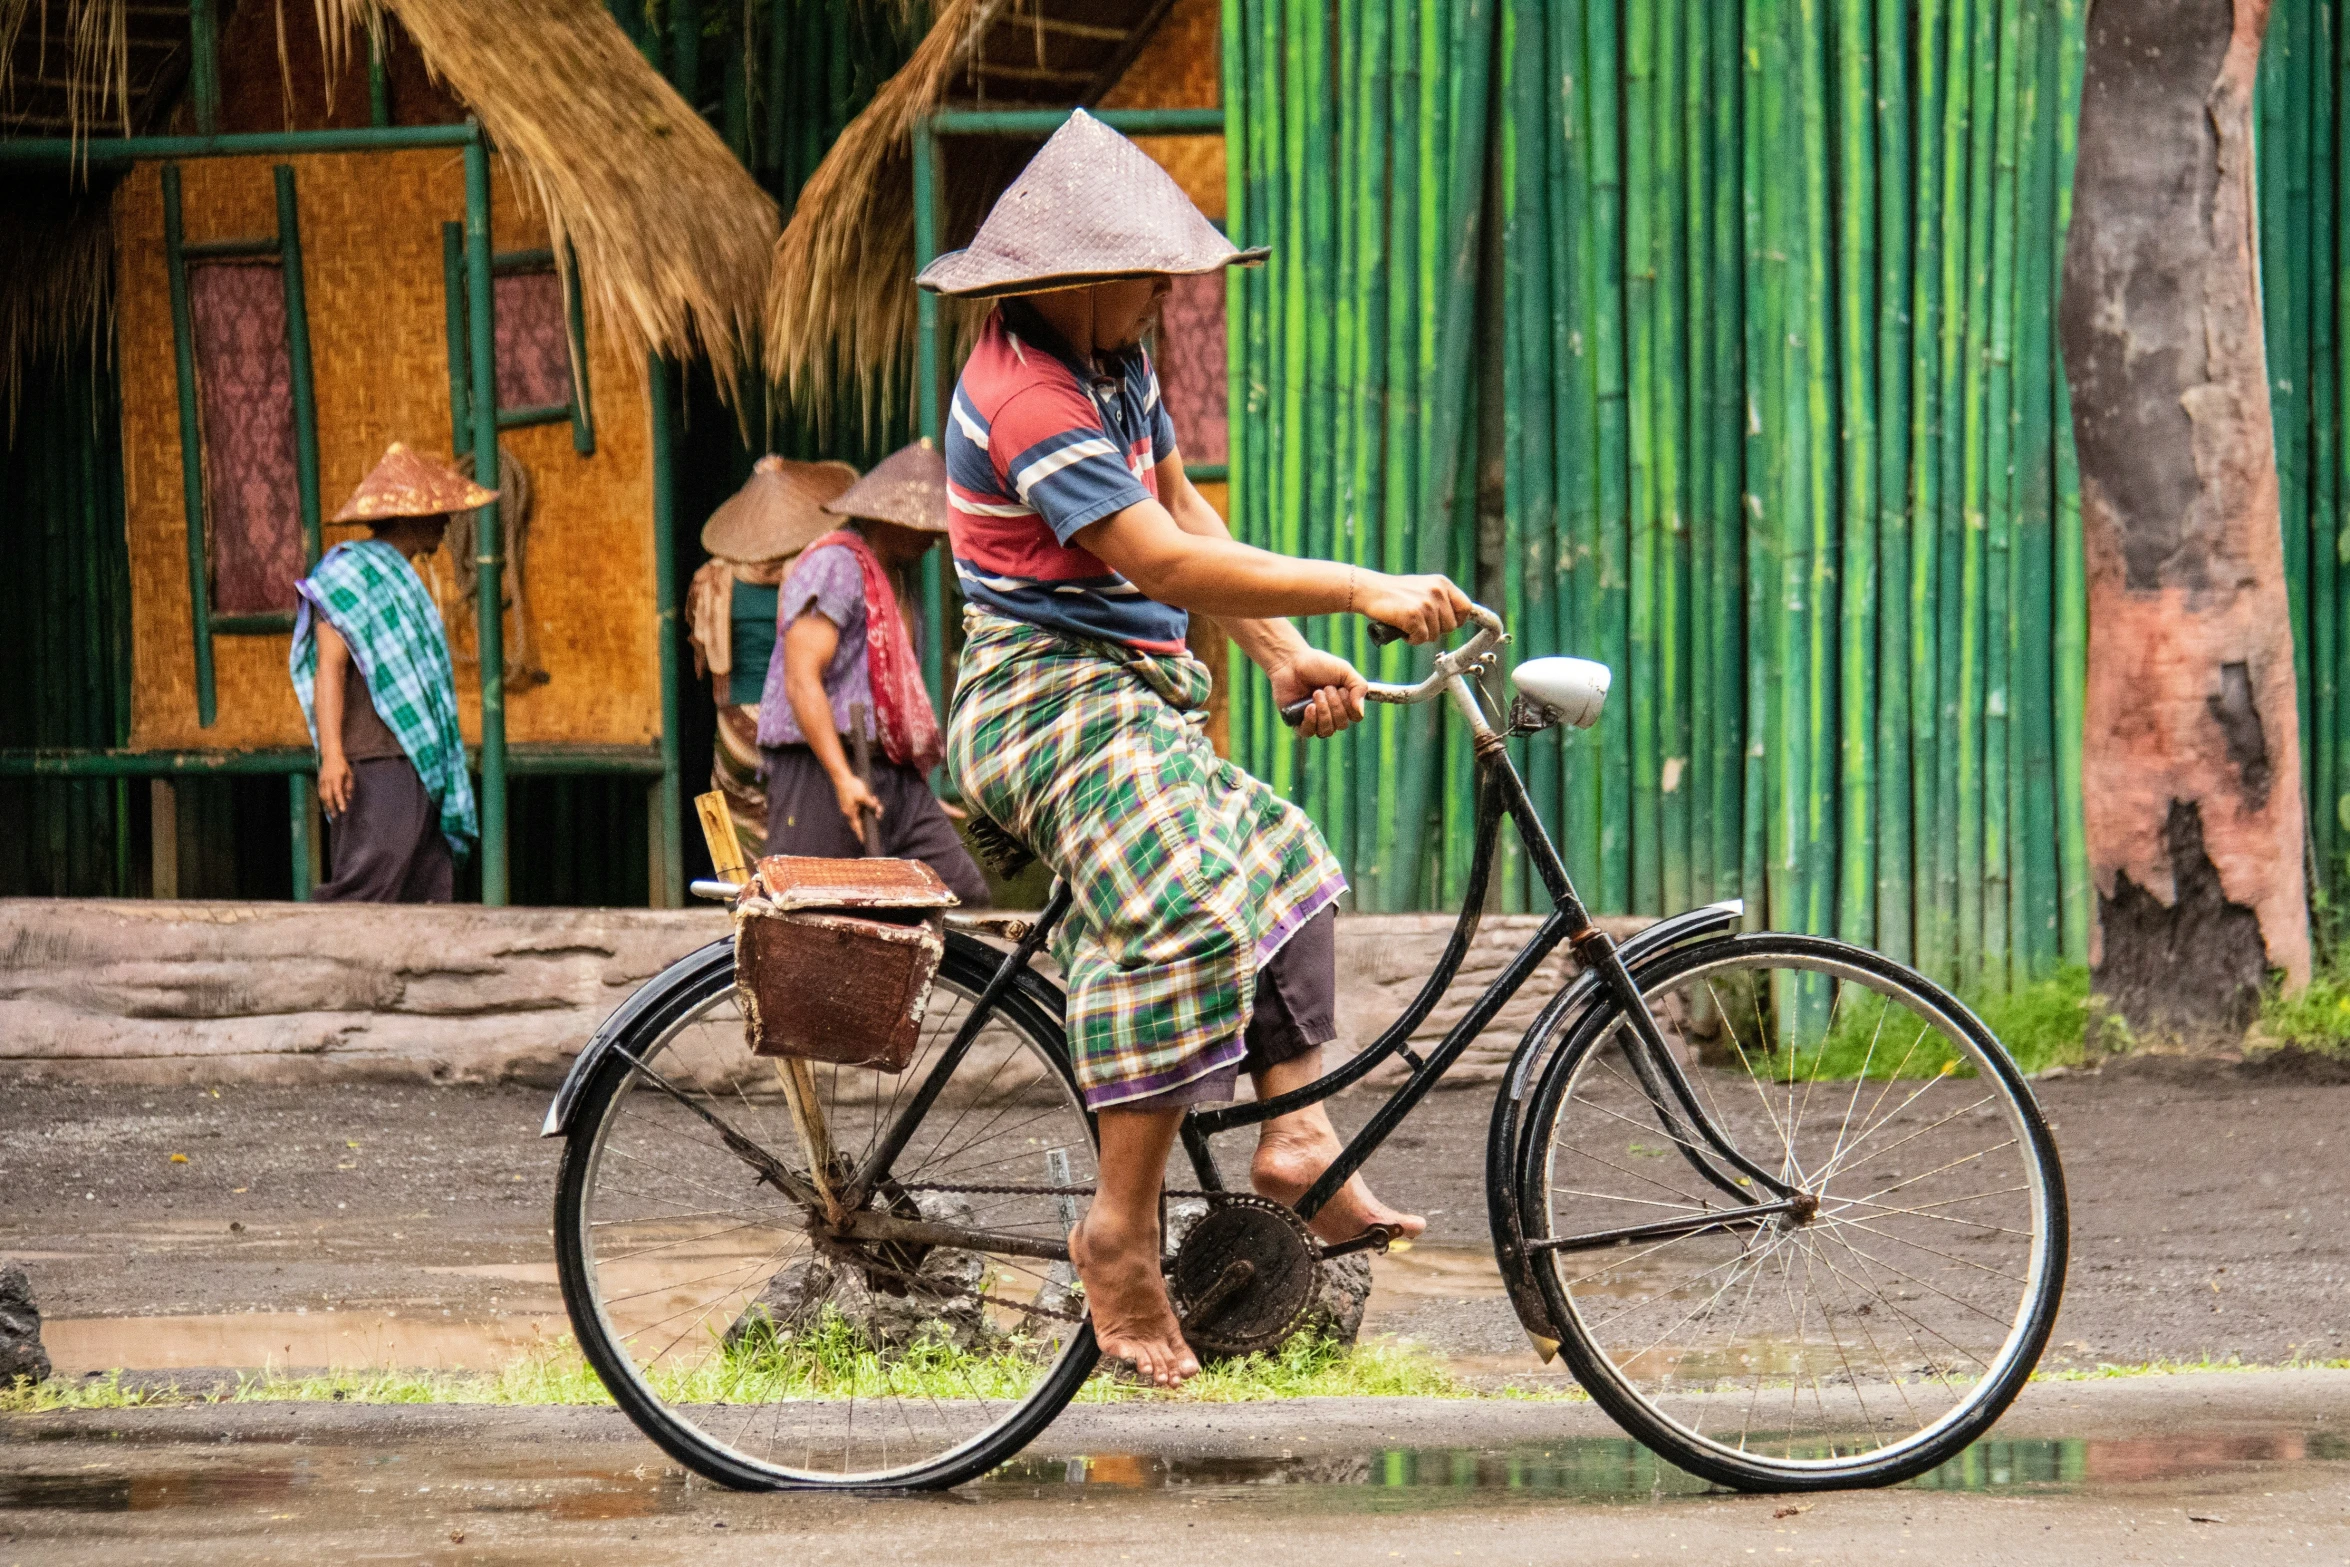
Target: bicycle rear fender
1557, 1021
696, 965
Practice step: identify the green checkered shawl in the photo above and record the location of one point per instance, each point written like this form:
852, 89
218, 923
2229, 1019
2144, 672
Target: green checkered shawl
372, 597
1186, 873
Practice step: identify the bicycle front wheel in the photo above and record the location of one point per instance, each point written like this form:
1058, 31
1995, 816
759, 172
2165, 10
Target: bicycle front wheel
1897, 1278
740, 1332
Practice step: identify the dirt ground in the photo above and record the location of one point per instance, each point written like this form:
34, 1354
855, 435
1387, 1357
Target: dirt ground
2208, 1202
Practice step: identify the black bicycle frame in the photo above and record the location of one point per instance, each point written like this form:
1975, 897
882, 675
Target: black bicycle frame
1501, 794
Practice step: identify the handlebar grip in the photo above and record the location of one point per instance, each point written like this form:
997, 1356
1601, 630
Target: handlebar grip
1294, 713
1382, 633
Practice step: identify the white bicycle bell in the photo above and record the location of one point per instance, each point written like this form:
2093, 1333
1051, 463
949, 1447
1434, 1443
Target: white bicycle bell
1573, 688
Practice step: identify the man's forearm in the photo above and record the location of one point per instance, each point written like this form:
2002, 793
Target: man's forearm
1268, 642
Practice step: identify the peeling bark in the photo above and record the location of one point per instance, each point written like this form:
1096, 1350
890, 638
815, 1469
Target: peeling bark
2192, 768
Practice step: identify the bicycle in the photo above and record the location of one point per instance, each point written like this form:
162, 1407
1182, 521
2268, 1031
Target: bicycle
1785, 1207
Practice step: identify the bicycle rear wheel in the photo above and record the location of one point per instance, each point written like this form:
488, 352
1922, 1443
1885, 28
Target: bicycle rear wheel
765, 1355
1862, 1329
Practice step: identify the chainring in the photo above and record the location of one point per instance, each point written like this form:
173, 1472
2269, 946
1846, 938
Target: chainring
1243, 1276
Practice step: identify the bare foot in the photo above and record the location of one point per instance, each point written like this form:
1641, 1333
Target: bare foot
1127, 1298
1292, 1156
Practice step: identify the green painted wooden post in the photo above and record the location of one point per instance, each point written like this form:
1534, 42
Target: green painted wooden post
301, 789
183, 341
668, 794
583, 412
204, 64
488, 538
930, 395
453, 317
289, 249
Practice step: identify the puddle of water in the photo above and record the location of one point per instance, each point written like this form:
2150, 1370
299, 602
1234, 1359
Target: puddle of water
523, 1480
336, 1340
1619, 1469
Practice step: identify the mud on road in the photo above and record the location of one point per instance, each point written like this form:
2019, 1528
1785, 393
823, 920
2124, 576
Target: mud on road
365, 1224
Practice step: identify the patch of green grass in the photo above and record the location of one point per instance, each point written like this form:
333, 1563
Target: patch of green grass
831, 1362
2317, 1019
2043, 1025
2106, 1371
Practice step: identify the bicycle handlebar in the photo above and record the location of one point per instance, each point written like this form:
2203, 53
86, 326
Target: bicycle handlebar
1466, 659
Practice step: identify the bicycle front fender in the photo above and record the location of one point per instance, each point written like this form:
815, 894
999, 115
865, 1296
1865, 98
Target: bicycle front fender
1502, 1155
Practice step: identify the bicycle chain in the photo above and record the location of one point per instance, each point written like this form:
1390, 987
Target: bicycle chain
1014, 1189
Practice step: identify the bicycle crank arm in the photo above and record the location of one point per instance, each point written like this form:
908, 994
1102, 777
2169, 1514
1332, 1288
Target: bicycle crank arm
871, 1226
1666, 1229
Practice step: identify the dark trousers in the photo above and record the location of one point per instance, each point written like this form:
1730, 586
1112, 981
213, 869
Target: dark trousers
1296, 1010
803, 817
387, 846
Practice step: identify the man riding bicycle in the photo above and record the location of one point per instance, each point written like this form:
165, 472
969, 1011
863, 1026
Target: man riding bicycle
1199, 941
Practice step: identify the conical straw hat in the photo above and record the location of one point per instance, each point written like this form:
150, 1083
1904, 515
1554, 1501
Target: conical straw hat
908, 487
777, 511
409, 484
1090, 206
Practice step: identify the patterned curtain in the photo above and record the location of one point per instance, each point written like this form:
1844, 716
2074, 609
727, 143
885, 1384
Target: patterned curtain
534, 351
1190, 359
244, 377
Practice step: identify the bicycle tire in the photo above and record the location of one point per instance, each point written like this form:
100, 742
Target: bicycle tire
690, 984
1642, 1414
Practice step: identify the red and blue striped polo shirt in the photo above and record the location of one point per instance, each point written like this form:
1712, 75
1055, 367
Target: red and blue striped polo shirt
1037, 448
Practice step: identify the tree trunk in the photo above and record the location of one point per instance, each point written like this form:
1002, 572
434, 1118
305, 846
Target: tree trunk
2192, 754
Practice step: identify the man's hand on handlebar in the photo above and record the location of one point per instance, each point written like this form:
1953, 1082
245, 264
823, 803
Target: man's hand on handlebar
1330, 687
1422, 608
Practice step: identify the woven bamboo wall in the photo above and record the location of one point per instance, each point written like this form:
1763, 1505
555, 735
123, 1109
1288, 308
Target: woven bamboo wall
371, 240
1181, 68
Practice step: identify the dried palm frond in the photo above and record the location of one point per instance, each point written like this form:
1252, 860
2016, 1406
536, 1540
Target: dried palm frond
93, 59
673, 235
842, 297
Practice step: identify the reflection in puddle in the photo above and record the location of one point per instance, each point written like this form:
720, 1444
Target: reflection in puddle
1594, 1469
1617, 1468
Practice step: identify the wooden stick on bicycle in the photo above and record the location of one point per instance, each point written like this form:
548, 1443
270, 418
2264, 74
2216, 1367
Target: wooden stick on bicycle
729, 862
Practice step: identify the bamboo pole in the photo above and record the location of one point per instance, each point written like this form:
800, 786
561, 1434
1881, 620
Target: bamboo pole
2072, 601
2039, 936
1998, 507
1397, 876
1857, 334
1822, 510
1575, 284
1612, 426
1642, 245
1671, 426
488, 538
1367, 212
1727, 583
1701, 517
1896, 914
2321, 749
1969, 783
1931, 922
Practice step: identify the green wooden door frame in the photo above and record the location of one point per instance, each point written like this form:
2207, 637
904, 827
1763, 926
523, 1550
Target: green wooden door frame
929, 388
286, 246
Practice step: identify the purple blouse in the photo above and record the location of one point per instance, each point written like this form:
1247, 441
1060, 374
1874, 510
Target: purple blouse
827, 582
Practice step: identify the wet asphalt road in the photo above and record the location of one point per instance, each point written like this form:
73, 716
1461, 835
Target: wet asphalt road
2217, 1467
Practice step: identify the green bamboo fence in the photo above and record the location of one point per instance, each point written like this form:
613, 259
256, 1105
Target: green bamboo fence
2302, 136
1769, 417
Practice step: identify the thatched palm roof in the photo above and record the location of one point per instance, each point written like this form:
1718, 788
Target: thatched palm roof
674, 238
842, 300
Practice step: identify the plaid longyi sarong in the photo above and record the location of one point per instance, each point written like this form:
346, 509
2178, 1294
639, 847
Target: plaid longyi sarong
1186, 873
372, 597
